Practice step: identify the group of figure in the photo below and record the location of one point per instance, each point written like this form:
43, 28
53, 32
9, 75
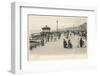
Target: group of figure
52, 36
68, 38
68, 43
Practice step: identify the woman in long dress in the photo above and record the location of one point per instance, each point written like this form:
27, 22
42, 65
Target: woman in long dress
69, 44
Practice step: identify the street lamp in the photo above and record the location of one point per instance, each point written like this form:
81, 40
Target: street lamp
57, 25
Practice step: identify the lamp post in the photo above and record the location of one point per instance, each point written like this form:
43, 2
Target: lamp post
57, 25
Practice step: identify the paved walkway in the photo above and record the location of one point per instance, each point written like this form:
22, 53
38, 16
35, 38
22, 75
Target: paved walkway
56, 48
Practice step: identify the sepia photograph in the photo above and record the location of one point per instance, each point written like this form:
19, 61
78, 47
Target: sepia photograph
57, 37
46, 38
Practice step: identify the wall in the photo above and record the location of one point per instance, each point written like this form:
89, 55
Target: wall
5, 33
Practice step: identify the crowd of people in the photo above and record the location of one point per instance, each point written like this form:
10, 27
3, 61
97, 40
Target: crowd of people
51, 36
75, 40
70, 39
41, 39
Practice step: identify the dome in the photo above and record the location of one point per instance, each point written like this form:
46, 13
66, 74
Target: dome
46, 28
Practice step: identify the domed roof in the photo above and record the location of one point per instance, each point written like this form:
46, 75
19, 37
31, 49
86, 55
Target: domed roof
46, 27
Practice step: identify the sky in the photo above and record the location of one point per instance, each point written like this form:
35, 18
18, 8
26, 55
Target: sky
37, 22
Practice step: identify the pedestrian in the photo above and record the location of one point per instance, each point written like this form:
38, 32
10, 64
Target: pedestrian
64, 43
42, 42
69, 44
81, 42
